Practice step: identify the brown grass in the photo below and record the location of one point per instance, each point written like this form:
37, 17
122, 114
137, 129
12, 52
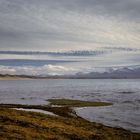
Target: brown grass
22, 125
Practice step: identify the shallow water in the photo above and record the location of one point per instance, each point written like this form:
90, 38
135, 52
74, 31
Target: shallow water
37, 110
123, 93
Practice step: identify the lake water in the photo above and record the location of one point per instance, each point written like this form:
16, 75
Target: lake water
123, 93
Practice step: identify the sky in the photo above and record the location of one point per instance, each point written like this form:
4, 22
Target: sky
106, 34
56, 25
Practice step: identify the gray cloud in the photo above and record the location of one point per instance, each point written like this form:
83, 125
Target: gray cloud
8, 34
46, 24
123, 8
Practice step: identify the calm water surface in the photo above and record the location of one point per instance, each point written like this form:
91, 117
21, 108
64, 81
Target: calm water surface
124, 94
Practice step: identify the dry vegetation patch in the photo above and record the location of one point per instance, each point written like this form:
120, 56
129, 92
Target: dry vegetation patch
23, 125
76, 103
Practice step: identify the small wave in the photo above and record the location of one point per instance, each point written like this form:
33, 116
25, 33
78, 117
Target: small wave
138, 101
130, 102
126, 92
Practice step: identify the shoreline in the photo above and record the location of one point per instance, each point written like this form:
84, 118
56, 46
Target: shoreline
13, 78
4, 78
66, 115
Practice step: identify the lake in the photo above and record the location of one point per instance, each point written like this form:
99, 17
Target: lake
123, 93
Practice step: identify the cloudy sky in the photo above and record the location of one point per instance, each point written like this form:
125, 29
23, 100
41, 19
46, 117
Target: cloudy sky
55, 25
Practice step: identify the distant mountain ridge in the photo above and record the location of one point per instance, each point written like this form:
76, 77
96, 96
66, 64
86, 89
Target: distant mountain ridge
119, 73
123, 73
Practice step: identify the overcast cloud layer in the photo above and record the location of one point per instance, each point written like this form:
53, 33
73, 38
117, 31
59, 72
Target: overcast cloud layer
69, 24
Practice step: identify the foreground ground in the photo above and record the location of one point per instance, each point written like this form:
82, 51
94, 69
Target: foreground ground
23, 125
